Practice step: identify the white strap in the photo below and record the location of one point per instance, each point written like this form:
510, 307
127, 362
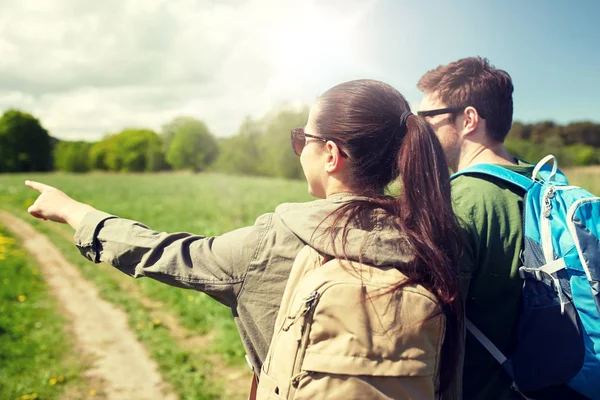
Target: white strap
554, 266
489, 346
496, 353
539, 166
551, 269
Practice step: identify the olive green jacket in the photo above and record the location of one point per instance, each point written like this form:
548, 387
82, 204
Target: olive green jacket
246, 269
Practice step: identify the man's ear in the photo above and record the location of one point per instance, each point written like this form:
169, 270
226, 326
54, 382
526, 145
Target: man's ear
334, 160
472, 120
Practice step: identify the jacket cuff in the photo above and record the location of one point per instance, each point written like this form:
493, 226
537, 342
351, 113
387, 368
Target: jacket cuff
85, 235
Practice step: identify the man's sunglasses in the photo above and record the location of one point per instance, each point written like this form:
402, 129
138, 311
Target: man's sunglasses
447, 110
298, 138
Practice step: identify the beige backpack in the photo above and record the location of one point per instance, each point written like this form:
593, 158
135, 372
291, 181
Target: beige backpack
341, 334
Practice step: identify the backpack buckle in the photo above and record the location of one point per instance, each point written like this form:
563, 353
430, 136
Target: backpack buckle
530, 273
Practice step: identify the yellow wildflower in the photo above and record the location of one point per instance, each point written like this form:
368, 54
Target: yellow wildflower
21, 298
6, 240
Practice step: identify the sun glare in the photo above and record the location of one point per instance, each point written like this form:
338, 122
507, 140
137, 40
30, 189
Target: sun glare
317, 41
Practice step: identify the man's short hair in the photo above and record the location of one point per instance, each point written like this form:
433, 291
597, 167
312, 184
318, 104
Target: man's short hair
474, 82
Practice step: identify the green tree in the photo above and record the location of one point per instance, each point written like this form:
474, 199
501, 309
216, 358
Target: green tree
72, 156
263, 147
519, 131
528, 151
99, 154
586, 133
190, 144
131, 149
24, 144
139, 150
546, 131
576, 144
241, 154
279, 159
169, 130
580, 154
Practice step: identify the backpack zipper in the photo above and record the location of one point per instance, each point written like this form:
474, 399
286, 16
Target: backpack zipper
283, 327
308, 303
308, 312
546, 230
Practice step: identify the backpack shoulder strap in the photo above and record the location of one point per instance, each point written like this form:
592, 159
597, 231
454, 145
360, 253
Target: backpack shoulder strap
543, 171
498, 172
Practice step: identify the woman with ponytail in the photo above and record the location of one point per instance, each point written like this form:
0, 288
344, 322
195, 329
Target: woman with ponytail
399, 341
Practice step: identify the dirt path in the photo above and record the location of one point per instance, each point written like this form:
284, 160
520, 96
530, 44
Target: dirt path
237, 378
120, 361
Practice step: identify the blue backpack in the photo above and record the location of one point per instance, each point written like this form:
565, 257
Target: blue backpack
558, 339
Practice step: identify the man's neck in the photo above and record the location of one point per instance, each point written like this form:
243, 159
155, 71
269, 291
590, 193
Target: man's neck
496, 154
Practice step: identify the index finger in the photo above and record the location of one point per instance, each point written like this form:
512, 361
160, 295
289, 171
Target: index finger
40, 187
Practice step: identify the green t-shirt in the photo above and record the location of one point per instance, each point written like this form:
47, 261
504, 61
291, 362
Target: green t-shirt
489, 212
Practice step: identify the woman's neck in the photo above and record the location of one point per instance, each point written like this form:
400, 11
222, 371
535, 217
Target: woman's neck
338, 189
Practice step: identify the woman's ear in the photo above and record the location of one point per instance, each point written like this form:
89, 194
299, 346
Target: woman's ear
334, 160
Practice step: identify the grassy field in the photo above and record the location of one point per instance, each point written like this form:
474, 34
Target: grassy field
203, 204
586, 177
37, 357
207, 204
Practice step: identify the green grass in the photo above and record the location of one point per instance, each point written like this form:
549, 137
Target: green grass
37, 355
586, 177
207, 204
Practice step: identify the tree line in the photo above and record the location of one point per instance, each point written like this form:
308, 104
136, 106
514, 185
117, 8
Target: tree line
575, 144
260, 147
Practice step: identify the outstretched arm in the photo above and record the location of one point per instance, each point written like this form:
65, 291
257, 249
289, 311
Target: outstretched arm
214, 265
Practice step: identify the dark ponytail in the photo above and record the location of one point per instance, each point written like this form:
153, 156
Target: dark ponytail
426, 217
372, 122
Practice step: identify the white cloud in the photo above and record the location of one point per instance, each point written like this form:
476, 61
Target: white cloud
87, 68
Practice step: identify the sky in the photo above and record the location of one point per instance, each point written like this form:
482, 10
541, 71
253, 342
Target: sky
86, 69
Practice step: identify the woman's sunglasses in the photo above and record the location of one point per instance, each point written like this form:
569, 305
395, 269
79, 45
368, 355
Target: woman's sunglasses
298, 139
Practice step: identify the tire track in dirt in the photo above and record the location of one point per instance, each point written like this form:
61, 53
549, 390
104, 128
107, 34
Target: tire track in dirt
120, 361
